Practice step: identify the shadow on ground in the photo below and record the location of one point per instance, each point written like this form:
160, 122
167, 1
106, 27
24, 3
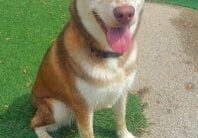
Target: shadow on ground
15, 123
187, 24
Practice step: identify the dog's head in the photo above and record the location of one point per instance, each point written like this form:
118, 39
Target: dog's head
117, 19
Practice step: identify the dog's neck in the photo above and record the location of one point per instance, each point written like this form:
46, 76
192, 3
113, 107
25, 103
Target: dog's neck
94, 45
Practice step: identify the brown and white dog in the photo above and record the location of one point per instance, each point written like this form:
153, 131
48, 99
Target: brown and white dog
91, 65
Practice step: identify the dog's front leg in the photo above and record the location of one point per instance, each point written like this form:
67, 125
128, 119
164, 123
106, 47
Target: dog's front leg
120, 111
84, 121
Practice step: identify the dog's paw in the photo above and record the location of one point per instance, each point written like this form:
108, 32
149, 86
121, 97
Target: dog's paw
45, 136
42, 133
125, 134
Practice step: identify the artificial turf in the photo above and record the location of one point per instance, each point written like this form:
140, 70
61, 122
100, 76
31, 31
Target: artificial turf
27, 28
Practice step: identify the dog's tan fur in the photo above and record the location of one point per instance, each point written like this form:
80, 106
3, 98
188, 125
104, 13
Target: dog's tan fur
56, 86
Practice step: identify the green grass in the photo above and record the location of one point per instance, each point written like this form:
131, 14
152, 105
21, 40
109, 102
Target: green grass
186, 3
27, 28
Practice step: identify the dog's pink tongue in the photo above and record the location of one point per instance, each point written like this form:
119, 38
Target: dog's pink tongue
119, 39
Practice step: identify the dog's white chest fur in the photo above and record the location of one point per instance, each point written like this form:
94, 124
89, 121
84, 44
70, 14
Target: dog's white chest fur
105, 96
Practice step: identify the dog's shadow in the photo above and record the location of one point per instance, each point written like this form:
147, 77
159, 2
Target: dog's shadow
15, 123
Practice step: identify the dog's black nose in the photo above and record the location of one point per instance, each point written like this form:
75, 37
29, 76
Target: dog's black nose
124, 14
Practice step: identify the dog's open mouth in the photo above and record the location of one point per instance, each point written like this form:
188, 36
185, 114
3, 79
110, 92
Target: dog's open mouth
119, 38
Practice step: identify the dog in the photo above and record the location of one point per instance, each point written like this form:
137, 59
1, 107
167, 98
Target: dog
91, 65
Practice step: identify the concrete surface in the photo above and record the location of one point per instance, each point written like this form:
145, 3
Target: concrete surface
168, 71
